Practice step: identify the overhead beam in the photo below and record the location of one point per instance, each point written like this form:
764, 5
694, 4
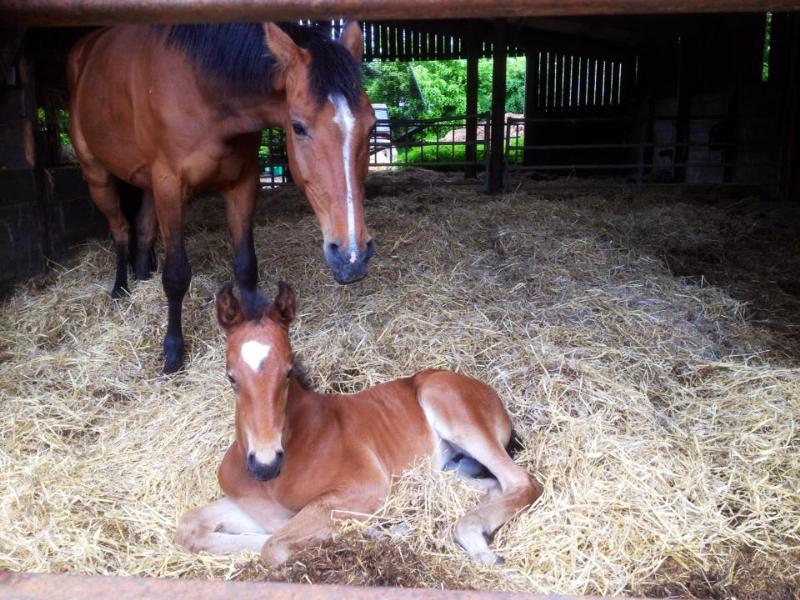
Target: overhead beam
108, 12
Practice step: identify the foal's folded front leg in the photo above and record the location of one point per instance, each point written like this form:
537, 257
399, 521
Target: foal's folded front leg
221, 527
314, 523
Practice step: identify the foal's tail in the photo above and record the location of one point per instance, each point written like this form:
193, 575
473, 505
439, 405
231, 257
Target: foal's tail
514, 445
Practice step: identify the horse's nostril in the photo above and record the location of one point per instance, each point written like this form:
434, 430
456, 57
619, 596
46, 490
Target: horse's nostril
279, 455
369, 250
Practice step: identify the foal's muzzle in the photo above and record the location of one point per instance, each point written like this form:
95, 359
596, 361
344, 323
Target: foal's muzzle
348, 265
265, 471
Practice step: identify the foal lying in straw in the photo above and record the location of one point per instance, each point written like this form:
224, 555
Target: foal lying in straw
299, 455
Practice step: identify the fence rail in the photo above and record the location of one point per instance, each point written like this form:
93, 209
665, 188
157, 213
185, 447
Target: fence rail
616, 144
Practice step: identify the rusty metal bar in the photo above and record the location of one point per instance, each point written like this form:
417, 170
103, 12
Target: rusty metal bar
29, 586
107, 12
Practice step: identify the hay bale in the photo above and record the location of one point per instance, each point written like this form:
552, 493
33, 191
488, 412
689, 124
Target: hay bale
662, 422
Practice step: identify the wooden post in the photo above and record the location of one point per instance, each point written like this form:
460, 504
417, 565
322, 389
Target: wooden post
494, 179
471, 148
789, 175
680, 150
531, 84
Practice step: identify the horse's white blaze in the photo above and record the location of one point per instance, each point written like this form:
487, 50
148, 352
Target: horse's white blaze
343, 117
254, 353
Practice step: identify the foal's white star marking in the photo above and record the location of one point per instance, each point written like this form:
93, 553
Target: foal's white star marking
345, 120
254, 353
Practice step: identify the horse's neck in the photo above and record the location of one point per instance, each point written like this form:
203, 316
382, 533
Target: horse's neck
247, 113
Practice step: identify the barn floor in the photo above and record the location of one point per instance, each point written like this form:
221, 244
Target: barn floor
646, 342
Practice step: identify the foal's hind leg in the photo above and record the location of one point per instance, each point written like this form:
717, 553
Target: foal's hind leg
146, 228
468, 414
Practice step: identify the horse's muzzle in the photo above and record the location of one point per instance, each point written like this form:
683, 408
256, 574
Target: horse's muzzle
348, 265
265, 471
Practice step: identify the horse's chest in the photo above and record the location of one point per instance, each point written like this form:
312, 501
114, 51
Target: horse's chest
213, 166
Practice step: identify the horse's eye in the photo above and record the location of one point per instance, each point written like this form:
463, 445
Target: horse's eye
232, 380
299, 129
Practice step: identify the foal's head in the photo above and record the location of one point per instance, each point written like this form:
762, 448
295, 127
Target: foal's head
259, 366
328, 120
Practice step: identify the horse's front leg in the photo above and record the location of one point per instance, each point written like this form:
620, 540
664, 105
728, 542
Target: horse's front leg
170, 201
314, 523
146, 227
221, 527
240, 203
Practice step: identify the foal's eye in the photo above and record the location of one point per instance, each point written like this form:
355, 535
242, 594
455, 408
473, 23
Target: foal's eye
232, 380
299, 129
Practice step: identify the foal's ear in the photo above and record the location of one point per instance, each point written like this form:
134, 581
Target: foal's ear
282, 308
229, 313
353, 39
280, 45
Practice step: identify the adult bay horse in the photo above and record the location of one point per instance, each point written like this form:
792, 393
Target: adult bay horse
174, 110
299, 455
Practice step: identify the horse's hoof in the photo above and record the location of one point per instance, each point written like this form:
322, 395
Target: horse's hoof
172, 364
145, 266
120, 292
173, 355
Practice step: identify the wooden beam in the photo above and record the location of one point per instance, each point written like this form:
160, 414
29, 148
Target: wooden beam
471, 138
56, 587
108, 12
494, 179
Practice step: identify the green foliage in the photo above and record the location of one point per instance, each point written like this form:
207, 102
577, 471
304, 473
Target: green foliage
394, 84
765, 54
455, 153
432, 89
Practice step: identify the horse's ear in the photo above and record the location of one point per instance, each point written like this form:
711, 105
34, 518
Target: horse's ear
280, 45
229, 313
283, 307
353, 39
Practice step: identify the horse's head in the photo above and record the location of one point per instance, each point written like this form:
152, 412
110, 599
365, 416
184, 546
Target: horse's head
327, 121
259, 366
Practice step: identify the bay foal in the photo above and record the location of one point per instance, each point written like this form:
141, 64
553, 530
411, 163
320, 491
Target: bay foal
299, 455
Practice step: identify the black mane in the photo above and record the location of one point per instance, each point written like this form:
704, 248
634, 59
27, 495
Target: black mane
237, 54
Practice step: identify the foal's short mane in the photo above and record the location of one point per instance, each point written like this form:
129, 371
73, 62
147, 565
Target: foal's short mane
237, 53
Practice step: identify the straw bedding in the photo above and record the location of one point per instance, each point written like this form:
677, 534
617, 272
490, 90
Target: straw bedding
661, 411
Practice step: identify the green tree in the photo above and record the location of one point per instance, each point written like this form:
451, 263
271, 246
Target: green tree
431, 89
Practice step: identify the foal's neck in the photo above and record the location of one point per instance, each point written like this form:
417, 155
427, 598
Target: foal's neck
305, 411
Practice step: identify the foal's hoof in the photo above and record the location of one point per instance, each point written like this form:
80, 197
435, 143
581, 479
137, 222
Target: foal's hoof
274, 555
489, 558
